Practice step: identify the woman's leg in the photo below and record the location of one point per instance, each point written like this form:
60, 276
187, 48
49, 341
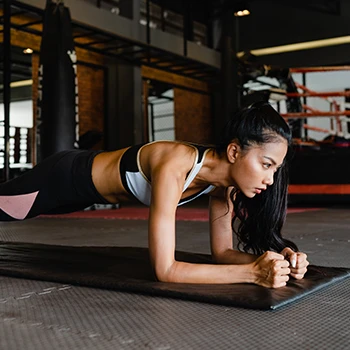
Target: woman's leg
47, 188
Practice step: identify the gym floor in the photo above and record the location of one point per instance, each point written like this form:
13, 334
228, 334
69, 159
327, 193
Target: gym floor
44, 315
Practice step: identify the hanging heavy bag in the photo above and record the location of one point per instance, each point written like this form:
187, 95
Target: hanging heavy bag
57, 114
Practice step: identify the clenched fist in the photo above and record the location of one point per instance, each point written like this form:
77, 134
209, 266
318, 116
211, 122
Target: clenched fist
298, 262
271, 270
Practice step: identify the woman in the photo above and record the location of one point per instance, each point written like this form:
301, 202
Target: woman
245, 177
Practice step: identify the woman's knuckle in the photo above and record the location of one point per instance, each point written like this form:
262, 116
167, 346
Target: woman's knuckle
278, 284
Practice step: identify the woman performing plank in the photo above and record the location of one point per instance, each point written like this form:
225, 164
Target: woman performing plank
245, 176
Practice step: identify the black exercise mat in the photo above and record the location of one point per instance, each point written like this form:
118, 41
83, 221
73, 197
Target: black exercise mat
128, 269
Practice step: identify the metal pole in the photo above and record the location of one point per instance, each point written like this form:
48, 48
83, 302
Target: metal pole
7, 86
236, 77
185, 26
152, 121
162, 9
229, 68
145, 111
210, 39
148, 15
305, 102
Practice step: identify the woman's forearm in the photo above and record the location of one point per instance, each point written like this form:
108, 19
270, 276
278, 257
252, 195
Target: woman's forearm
232, 256
181, 272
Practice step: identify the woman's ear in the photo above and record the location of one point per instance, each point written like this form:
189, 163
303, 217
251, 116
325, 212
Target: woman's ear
232, 151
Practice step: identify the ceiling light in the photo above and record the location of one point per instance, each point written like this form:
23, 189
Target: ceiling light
242, 13
28, 51
241, 9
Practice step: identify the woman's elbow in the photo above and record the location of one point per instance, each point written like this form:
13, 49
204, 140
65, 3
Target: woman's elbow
165, 274
217, 257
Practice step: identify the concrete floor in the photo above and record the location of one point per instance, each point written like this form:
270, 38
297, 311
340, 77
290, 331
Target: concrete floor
45, 315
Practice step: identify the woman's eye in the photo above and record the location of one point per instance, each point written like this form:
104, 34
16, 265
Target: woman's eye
267, 165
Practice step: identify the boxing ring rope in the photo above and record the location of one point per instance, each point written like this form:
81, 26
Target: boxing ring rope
319, 69
309, 108
315, 128
315, 114
337, 117
319, 94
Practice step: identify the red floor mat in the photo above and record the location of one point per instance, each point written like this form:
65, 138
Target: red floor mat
184, 214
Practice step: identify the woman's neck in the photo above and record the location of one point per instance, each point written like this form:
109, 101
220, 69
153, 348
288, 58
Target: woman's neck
215, 170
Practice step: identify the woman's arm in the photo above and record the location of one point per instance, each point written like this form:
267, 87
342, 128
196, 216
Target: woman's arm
166, 191
221, 237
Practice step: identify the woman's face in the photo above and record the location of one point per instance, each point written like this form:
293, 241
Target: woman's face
253, 169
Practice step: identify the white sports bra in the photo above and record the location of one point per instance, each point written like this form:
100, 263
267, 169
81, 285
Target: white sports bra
137, 184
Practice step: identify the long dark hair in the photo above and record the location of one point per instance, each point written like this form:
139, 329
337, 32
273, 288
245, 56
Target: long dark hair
258, 221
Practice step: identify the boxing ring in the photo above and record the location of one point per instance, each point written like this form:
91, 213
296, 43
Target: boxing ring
319, 170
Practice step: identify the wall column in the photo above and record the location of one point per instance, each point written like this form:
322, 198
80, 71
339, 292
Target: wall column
124, 117
227, 101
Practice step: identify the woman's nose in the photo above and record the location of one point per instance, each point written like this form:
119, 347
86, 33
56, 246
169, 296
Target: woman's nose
269, 179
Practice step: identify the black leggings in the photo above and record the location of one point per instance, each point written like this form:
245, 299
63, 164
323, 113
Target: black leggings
60, 184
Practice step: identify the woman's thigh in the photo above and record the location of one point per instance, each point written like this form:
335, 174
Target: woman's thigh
42, 189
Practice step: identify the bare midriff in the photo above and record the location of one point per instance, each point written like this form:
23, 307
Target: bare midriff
106, 176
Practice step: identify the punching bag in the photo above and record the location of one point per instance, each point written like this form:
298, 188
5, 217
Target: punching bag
57, 113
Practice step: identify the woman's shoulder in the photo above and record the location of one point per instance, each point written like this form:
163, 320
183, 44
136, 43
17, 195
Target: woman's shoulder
178, 147
168, 154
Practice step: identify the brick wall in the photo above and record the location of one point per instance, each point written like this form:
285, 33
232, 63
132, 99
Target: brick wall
91, 100
193, 116
193, 119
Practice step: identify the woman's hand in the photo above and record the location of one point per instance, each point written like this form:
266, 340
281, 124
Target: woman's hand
298, 262
271, 270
